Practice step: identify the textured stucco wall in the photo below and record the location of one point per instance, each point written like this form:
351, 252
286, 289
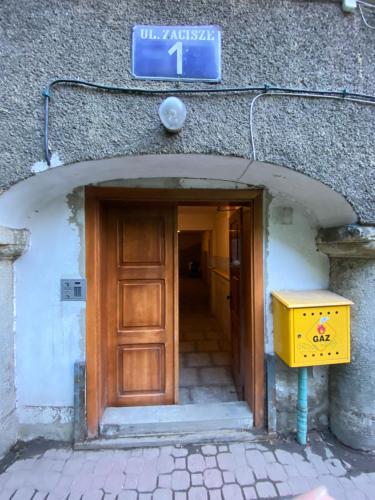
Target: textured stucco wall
8, 419
292, 43
352, 401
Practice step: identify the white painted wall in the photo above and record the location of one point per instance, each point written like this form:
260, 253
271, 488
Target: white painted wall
292, 261
49, 333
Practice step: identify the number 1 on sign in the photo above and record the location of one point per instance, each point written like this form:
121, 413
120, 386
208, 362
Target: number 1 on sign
177, 47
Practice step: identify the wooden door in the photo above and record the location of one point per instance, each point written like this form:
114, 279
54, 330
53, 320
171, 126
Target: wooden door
139, 304
235, 257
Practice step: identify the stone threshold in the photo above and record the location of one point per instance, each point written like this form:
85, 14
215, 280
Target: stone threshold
177, 440
170, 419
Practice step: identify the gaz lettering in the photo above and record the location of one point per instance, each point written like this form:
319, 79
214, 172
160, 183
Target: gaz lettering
322, 338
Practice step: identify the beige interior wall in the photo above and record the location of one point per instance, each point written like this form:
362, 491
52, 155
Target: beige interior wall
215, 226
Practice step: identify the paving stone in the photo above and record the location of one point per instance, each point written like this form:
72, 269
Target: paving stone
212, 478
149, 453
291, 471
283, 489
209, 449
250, 493
211, 462
244, 475
223, 447
185, 397
114, 483
231, 492
318, 463
217, 375
208, 345
180, 463
196, 463
265, 489
197, 479
269, 457
276, 472
39, 495
215, 494
298, 485
134, 465
284, 457
228, 476
226, 461
334, 486
162, 494
147, 481
144, 496
127, 495
91, 495
180, 495
165, 464
197, 493
180, 480
179, 452
187, 346
198, 359
165, 481
24, 494
64, 484
336, 467
131, 481
221, 358
257, 463
306, 469
189, 377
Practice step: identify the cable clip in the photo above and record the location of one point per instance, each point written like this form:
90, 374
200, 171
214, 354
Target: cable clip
344, 93
46, 92
266, 88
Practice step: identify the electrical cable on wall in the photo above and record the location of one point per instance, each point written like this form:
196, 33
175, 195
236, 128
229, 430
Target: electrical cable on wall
370, 7
287, 94
266, 90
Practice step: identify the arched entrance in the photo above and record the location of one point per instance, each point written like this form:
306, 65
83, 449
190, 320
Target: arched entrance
51, 206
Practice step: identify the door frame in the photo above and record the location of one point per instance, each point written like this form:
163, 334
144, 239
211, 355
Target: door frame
95, 355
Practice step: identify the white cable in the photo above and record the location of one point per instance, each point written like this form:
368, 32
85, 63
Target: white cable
368, 5
289, 94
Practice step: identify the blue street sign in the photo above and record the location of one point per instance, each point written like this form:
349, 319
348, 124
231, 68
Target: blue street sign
177, 53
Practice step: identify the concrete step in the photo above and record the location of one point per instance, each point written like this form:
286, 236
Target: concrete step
183, 439
175, 419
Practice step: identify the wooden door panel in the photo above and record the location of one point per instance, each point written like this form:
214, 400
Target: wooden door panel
132, 241
148, 362
142, 304
139, 300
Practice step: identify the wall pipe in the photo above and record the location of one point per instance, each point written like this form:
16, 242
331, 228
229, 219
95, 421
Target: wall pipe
302, 406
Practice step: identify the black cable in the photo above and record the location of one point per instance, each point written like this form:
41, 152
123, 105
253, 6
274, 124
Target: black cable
166, 91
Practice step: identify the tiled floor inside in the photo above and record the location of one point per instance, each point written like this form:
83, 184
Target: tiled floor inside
205, 353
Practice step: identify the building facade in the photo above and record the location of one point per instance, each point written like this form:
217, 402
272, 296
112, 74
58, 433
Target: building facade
309, 158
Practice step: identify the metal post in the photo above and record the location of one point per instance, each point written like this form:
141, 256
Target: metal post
302, 406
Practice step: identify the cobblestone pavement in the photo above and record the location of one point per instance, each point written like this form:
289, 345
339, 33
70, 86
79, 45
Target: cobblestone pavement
240, 470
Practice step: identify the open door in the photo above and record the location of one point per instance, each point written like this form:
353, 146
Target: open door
138, 304
246, 306
235, 301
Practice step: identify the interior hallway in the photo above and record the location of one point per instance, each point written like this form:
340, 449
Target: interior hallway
205, 353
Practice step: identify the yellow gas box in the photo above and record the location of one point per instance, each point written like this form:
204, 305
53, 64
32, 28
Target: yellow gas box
311, 327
